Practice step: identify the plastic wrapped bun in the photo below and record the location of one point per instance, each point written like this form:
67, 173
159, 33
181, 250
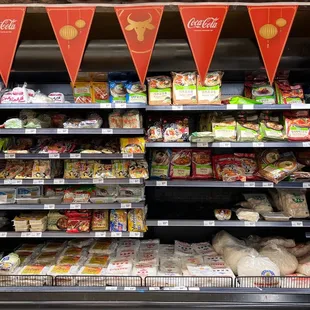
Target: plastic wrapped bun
224, 239
257, 266
304, 265
286, 261
41, 98
233, 254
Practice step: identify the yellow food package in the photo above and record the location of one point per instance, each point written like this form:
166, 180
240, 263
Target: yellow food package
136, 220
100, 92
82, 92
132, 145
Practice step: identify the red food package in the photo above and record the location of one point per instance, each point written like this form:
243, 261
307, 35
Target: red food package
249, 164
180, 164
78, 224
232, 170
216, 159
201, 164
297, 129
296, 113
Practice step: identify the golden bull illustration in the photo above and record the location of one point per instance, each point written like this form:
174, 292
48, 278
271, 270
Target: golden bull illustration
139, 27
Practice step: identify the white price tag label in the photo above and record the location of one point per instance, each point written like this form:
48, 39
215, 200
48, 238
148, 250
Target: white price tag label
249, 184
175, 288
107, 131
258, 144
268, 184
306, 144
231, 107
38, 182
128, 155
9, 156
177, 108
126, 206
225, 144
59, 181
306, 185
3, 234
297, 224
98, 181
17, 182
133, 234
53, 156
75, 206
49, 207
111, 288
7, 181
162, 223
30, 131
121, 105
297, 106
155, 288
194, 288
247, 107
129, 288
116, 234
208, 223
100, 234
202, 144
105, 105
134, 181
249, 224
31, 234
161, 183
62, 131
76, 156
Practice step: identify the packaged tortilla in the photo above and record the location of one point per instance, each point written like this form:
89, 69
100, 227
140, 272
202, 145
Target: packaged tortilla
159, 90
209, 91
297, 129
248, 163
132, 145
136, 220
201, 164
118, 220
180, 167
266, 157
117, 91
184, 88
136, 92
138, 169
176, 129
82, 92
100, 92
100, 220
160, 164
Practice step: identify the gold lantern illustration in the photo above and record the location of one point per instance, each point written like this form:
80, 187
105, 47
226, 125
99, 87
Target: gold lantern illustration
68, 32
80, 23
281, 22
268, 31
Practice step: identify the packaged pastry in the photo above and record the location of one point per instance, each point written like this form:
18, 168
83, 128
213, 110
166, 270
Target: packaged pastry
53, 246
100, 220
7, 195
175, 129
184, 88
132, 119
248, 163
136, 220
118, 220
247, 215
91, 271
180, 167
132, 145
119, 267
46, 258
209, 91
70, 260
57, 220
82, 92
100, 92
160, 163
78, 221
97, 260
136, 92
9, 263
104, 171
63, 270
106, 247
201, 164
33, 270
154, 130
138, 169
159, 90
121, 168
73, 251
117, 91
222, 214
115, 119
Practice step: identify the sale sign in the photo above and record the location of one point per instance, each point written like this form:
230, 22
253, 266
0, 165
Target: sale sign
71, 26
272, 25
140, 26
11, 21
203, 25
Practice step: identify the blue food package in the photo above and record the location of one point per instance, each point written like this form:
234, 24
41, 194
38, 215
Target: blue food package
117, 91
118, 220
136, 92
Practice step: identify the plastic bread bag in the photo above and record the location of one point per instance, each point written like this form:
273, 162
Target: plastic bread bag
117, 91
144, 270
258, 202
82, 92
148, 257
160, 163
150, 244
184, 88
280, 241
209, 90
136, 92
126, 253
115, 119
159, 90
9, 263
273, 131
132, 119
41, 98
183, 249
223, 239
215, 262
304, 265
294, 203
119, 267
224, 130
247, 131
247, 215
138, 169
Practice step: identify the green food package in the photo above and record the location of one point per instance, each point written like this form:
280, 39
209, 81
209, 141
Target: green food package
271, 131
243, 100
247, 132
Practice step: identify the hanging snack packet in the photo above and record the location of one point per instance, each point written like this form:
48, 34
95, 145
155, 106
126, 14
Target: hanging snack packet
209, 91
160, 164
136, 92
159, 90
100, 92
82, 92
180, 164
117, 91
184, 88
201, 164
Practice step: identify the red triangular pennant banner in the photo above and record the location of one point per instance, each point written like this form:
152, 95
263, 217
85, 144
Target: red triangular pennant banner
11, 21
272, 25
140, 26
71, 27
203, 25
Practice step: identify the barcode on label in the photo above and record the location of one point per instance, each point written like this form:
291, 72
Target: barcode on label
268, 184
125, 205
75, 206
31, 131
225, 144
62, 130
162, 223
246, 223
134, 181
98, 181
306, 144
249, 184
306, 185
38, 182
59, 181
177, 108
75, 155
100, 234
3, 234
107, 131
208, 223
9, 156
247, 107
105, 105
31, 234
17, 181
297, 224
116, 234
161, 183
49, 207
258, 144
133, 234
129, 288
120, 105
53, 156
128, 155
202, 144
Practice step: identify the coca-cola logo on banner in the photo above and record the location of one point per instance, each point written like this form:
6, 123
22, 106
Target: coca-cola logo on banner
7, 25
208, 24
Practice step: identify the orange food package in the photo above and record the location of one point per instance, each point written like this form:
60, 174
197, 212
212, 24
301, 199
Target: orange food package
82, 92
100, 92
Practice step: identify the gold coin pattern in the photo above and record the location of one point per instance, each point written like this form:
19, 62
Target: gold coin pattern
80, 23
68, 32
281, 22
268, 31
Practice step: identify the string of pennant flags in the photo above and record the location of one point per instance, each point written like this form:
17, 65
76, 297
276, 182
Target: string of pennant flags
140, 23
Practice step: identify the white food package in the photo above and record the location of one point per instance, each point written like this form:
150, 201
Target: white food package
215, 262
223, 239
203, 248
300, 249
304, 265
147, 245
120, 267
183, 249
233, 254
286, 261
247, 215
57, 97
287, 243
257, 266
143, 271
